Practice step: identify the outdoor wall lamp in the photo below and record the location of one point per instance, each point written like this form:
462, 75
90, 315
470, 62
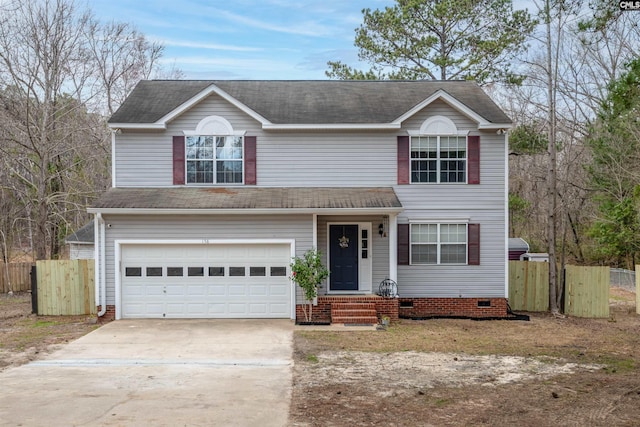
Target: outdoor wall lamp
381, 229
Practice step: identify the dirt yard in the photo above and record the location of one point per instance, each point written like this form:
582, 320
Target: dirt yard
451, 372
25, 336
441, 372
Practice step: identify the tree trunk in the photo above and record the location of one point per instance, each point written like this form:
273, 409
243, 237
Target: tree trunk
551, 176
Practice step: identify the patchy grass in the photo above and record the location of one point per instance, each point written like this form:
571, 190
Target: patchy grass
586, 396
24, 336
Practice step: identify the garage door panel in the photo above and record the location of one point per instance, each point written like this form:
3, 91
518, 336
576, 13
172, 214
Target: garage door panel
237, 290
206, 281
217, 290
196, 290
282, 309
279, 290
258, 290
237, 308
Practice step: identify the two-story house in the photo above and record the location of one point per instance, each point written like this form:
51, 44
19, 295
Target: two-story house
218, 184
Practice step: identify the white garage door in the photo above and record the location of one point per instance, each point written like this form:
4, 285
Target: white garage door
202, 281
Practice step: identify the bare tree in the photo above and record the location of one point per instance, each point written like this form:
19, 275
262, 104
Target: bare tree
60, 72
123, 57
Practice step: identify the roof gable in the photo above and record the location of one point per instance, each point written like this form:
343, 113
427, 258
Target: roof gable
300, 104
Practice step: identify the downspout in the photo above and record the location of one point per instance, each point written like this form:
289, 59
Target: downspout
101, 269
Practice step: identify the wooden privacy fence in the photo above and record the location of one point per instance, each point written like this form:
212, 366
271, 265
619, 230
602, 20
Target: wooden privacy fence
586, 289
66, 287
19, 277
529, 285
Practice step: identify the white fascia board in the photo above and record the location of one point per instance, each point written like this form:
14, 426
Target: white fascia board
490, 126
333, 126
448, 220
205, 93
441, 94
149, 126
202, 241
283, 211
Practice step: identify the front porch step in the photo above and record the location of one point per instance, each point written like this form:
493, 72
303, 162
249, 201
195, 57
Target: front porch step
354, 313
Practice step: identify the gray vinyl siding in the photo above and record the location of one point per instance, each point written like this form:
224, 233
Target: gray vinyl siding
317, 159
214, 105
146, 159
460, 281
489, 194
440, 108
197, 227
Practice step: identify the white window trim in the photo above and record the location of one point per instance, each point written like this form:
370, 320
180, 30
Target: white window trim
439, 243
438, 160
214, 125
215, 164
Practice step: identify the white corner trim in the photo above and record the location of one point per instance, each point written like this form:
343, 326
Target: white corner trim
506, 215
113, 158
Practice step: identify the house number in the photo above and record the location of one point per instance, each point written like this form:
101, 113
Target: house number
205, 241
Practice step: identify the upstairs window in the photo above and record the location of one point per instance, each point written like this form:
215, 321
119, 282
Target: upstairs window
438, 243
214, 159
439, 159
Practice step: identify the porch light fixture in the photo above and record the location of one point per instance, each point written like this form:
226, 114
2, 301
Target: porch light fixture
381, 229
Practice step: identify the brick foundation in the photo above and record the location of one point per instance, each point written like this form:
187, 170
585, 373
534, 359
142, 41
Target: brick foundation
412, 308
109, 315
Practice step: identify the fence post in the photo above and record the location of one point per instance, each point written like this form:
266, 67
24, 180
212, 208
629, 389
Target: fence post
34, 289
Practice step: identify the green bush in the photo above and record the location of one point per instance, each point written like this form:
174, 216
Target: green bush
308, 272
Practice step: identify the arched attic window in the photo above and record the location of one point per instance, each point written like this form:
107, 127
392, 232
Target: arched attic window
214, 153
439, 153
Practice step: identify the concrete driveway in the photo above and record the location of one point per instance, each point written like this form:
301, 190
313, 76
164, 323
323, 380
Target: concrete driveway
158, 372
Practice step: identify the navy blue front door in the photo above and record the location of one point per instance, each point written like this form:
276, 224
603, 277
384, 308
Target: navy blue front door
343, 257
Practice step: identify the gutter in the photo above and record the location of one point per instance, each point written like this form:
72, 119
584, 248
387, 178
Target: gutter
247, 211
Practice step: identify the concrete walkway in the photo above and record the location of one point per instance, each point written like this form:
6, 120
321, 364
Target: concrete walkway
160, 373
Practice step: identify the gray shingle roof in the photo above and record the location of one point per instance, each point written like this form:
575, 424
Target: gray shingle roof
83, 235
307, 102
248, 198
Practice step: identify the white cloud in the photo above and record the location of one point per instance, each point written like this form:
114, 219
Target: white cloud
211, 46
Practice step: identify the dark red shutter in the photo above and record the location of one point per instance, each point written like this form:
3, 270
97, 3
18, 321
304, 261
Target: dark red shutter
403, 244
250, 160
473, 162
403, 160
474, 244
178, 160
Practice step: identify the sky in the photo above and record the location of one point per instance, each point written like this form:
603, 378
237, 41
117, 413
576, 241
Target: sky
247, 39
